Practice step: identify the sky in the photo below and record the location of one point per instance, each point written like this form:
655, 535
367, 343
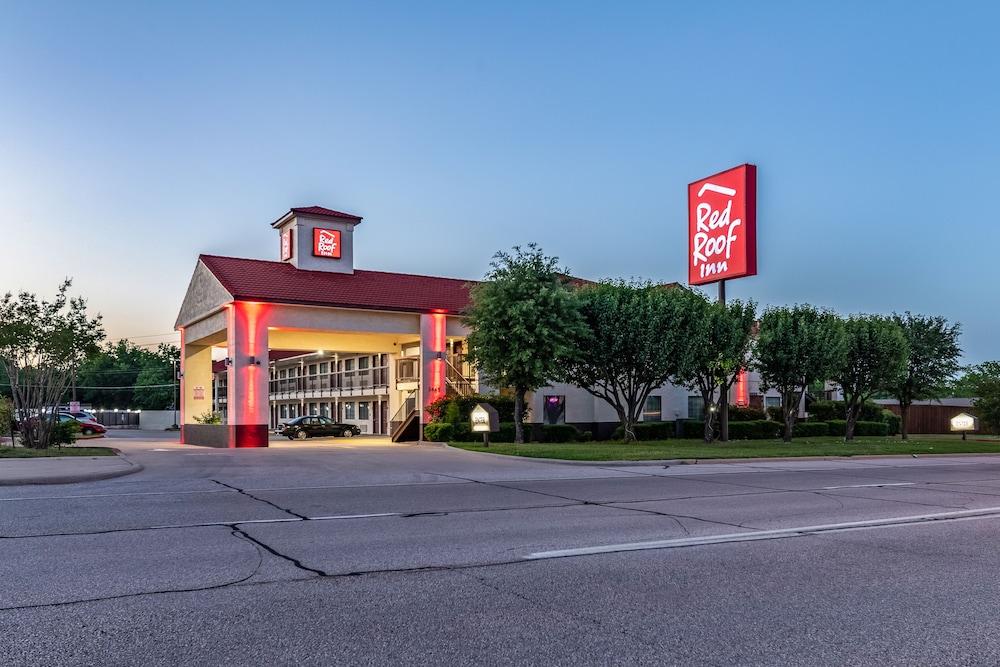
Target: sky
134, 136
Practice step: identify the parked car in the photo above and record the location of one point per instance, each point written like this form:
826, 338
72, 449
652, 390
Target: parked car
313, 426
88, 425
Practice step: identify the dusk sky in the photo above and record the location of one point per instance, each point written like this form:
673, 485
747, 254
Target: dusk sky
134, 136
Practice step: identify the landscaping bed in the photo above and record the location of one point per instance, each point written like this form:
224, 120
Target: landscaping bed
690, 449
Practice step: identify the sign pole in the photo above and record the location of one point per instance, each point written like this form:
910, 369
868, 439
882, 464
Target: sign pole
724, 395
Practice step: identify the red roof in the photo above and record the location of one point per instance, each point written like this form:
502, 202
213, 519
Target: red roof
279, 282
322, 212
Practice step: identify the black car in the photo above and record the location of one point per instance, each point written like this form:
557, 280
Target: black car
314, 426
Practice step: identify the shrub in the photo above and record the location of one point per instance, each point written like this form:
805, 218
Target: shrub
692, 429
839, 427
64, 432
893, 421
439, 432
825, 411
810, 429
559, 433
871, 428
741, 414
759, 429
585, 436
648, 431
208, 417
456, 409
775, 413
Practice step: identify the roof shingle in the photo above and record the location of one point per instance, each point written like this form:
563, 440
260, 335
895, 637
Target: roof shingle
279, 282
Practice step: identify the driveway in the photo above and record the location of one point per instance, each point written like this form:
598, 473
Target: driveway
351, 552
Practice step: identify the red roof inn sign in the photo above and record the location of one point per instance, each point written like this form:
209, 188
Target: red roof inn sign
722, 226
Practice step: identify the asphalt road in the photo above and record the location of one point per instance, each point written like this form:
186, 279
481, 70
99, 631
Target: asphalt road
374, 554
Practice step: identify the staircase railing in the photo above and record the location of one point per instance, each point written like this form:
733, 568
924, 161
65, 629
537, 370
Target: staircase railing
402, 416
458, 376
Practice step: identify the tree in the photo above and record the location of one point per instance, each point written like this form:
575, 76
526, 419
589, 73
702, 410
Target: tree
796, 347
718, 348
157, 371
874, 357
931, 361
635, 338
125, 375
523, 318
41, 343
985, 381
7, 418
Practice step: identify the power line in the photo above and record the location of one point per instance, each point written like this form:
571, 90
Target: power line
134, 386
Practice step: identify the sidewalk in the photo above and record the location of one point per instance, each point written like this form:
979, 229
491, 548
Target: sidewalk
64, 469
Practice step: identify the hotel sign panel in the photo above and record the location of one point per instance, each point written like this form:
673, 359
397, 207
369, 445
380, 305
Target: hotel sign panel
326, 243
722, 226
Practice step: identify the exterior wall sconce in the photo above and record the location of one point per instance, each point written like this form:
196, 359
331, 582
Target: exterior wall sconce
229, 361
254, 361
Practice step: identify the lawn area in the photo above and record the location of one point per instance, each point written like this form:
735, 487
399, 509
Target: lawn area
26, 453
695, 449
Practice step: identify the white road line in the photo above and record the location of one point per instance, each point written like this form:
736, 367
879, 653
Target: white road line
779, 533
352, 516
865, 486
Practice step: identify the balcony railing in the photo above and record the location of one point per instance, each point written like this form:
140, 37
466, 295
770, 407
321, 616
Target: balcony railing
366, 379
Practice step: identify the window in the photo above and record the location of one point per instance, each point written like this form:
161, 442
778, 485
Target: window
653, 410
696, 408
312, 369
348, 365
362, 363
363, 410
349, 410
554, 408
313, 409
284, 412
324, 367
772, 401
324, 409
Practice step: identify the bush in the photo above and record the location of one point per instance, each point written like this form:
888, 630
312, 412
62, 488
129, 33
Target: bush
585, 436
810, 429
741, 414
64, 432
866, 428
893, 421
775, 413
439, 432
648, 431
208, 417
559, 433
455, 409
825, 411
759, 429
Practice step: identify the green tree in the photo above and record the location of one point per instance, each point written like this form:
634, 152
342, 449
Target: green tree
41, 343
155, 382
523, 318
718, 346
125, 375
874, 356
635, 338
7, 418
796, 347
985, 381
931, 361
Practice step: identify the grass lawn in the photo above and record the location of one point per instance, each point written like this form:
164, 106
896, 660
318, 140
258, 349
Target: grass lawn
27, 453
696, 449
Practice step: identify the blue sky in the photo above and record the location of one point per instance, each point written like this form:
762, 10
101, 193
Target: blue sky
135, 135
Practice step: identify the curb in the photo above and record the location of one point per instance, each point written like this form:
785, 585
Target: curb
75, 479
682, 462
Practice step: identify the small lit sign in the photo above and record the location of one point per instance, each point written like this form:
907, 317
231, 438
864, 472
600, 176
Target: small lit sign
199, 393
326, 243
286, 244
74, 406
964, 422
484, 419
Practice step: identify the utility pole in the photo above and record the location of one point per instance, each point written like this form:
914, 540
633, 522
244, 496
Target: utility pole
724, 393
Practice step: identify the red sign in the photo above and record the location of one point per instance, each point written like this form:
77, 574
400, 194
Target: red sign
286, 244
326, 243
722, 226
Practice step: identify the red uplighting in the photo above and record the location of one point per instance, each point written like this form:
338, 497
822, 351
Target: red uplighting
742, 390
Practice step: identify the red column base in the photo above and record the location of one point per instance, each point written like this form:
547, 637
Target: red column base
248, 435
